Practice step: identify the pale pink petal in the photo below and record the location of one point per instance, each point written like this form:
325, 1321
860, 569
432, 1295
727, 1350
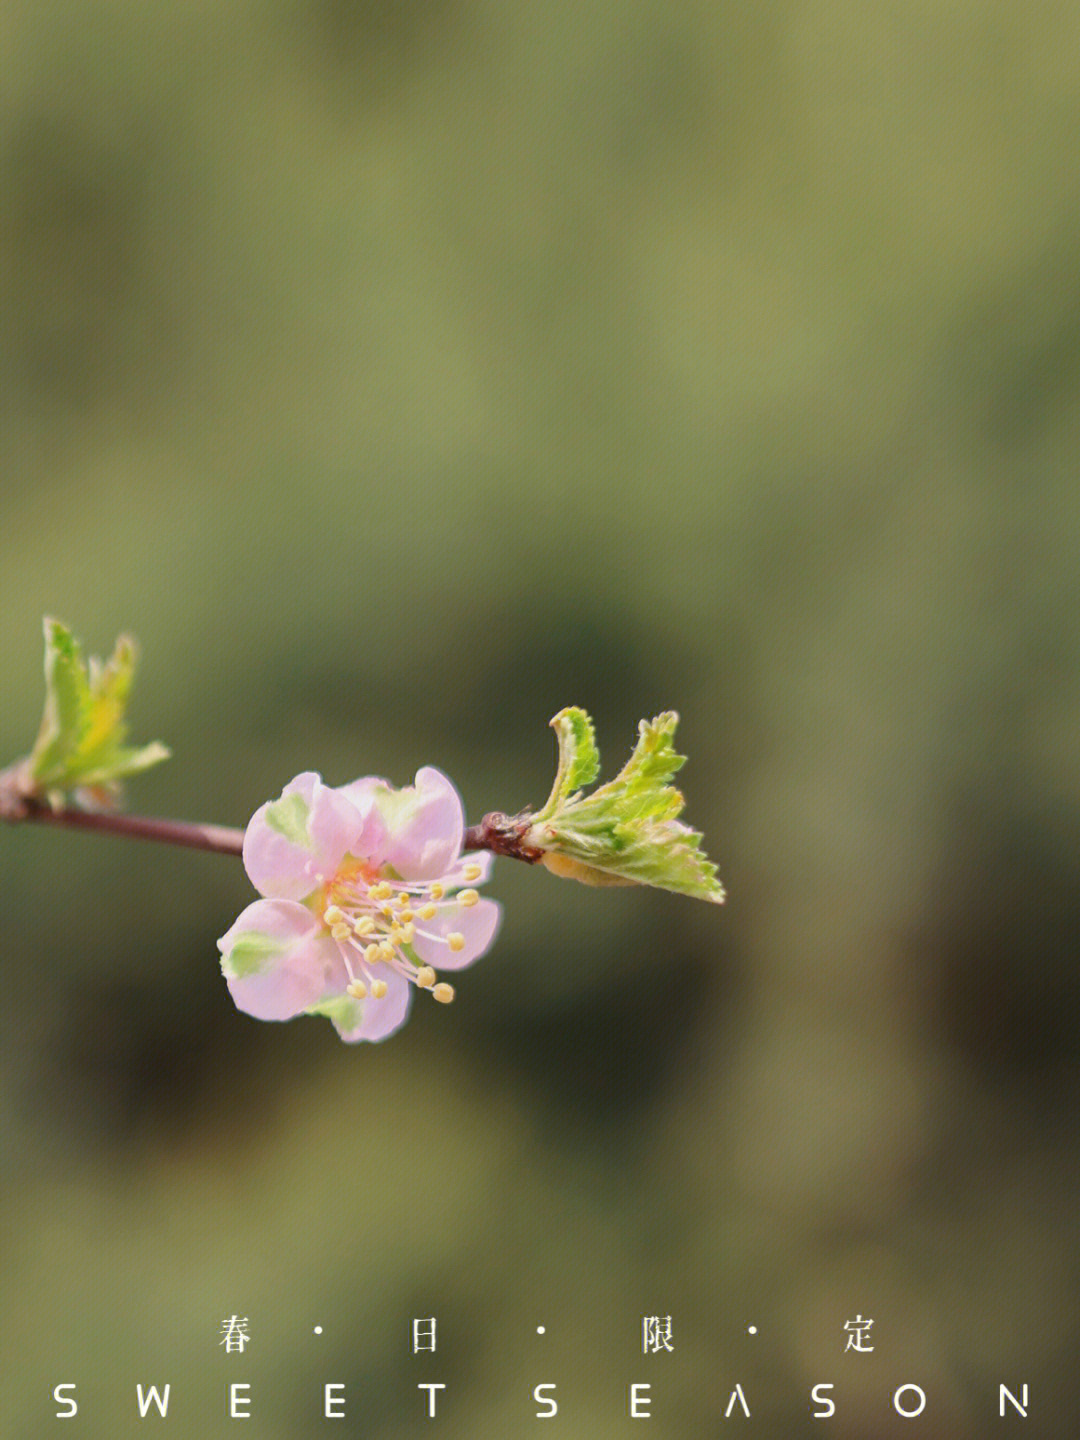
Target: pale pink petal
335, 825
477, 925
278, 962
291, 841
361, 792
382, 1017
370, 842
424, 825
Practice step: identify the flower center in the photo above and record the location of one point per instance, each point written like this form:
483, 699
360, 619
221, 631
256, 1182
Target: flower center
375, 923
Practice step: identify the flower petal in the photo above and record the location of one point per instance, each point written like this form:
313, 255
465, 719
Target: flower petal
477, 926
278, 962
417, 830
303, 834
376, 1019
361, 792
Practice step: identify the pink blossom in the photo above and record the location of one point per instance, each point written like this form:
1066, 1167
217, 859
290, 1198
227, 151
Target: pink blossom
366, 895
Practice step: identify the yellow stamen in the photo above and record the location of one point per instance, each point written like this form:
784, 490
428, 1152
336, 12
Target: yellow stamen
428, 912
372, 953
381, 891
473, 872
365, 925
425, 977
386, 951
402, 898
397, 935
455, 940
437, 891
443, 993
468, 898
405, 917
333, 915
408, 932
341, 931
378, 989
357, 989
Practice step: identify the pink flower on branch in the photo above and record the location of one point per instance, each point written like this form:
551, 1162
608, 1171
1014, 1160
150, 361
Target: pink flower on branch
366, 891
366, 895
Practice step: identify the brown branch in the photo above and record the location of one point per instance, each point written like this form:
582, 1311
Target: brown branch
222, 838
502, 835
499, 833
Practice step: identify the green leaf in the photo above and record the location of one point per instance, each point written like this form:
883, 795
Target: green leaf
67, 706
123, 762
110, 686
80, 742
579, 759
627, 831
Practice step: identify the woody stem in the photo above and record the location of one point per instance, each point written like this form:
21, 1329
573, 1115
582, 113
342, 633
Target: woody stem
499, 833
224, 839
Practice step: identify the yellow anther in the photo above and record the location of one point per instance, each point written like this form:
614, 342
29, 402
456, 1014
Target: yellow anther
436, 890
405, 917
387, 912
378, 989
397, 935
408, 932
473, 872
380, 891
425, 977
333, 915
373, 953
455, 940
365, 925
402, 898
428, 912
386, 951
357, 989
341, 931
443, 993
468, 898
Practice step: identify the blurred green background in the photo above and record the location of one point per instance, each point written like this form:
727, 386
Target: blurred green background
399, 373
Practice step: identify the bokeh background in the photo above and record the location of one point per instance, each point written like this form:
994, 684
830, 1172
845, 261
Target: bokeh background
399, 373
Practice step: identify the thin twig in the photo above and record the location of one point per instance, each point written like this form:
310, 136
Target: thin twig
221, 838
499, 833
